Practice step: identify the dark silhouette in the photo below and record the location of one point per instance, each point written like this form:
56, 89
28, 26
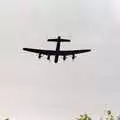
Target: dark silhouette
7, 119
57, 52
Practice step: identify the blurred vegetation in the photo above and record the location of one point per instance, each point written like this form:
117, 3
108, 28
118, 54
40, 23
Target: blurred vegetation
84, 117
108, 115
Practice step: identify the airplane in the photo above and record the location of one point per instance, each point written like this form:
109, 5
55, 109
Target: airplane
57, 52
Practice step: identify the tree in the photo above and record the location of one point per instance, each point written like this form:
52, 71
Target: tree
109, 115
84, 117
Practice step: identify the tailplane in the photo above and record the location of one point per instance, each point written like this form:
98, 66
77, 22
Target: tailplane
59, 39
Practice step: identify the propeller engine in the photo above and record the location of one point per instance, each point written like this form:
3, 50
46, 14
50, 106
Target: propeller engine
64, 57
48, 57
39, 56
73, 56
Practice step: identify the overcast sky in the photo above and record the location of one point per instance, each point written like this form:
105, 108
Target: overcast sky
37, 89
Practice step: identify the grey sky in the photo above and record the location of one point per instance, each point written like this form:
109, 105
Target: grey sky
28, 87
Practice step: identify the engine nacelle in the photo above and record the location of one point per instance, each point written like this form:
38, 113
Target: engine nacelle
39, 56
73, 56
64, 57
48, 57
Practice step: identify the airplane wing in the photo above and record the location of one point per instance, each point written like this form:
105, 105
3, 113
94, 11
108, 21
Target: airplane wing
53, 52
45, 52
71, 52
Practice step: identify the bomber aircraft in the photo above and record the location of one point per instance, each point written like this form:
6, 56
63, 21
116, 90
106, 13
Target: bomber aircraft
57, 52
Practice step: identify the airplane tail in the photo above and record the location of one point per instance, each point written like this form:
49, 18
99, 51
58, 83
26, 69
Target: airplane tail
56, 40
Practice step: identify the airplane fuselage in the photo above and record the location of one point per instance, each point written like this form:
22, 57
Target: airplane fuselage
57, 50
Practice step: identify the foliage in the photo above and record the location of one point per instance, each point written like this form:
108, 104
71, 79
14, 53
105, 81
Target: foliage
84, 117
109, 116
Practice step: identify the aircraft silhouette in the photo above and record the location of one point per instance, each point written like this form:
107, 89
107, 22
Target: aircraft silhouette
57, 52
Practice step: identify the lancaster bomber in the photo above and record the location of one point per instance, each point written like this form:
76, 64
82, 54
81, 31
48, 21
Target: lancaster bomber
57, 52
